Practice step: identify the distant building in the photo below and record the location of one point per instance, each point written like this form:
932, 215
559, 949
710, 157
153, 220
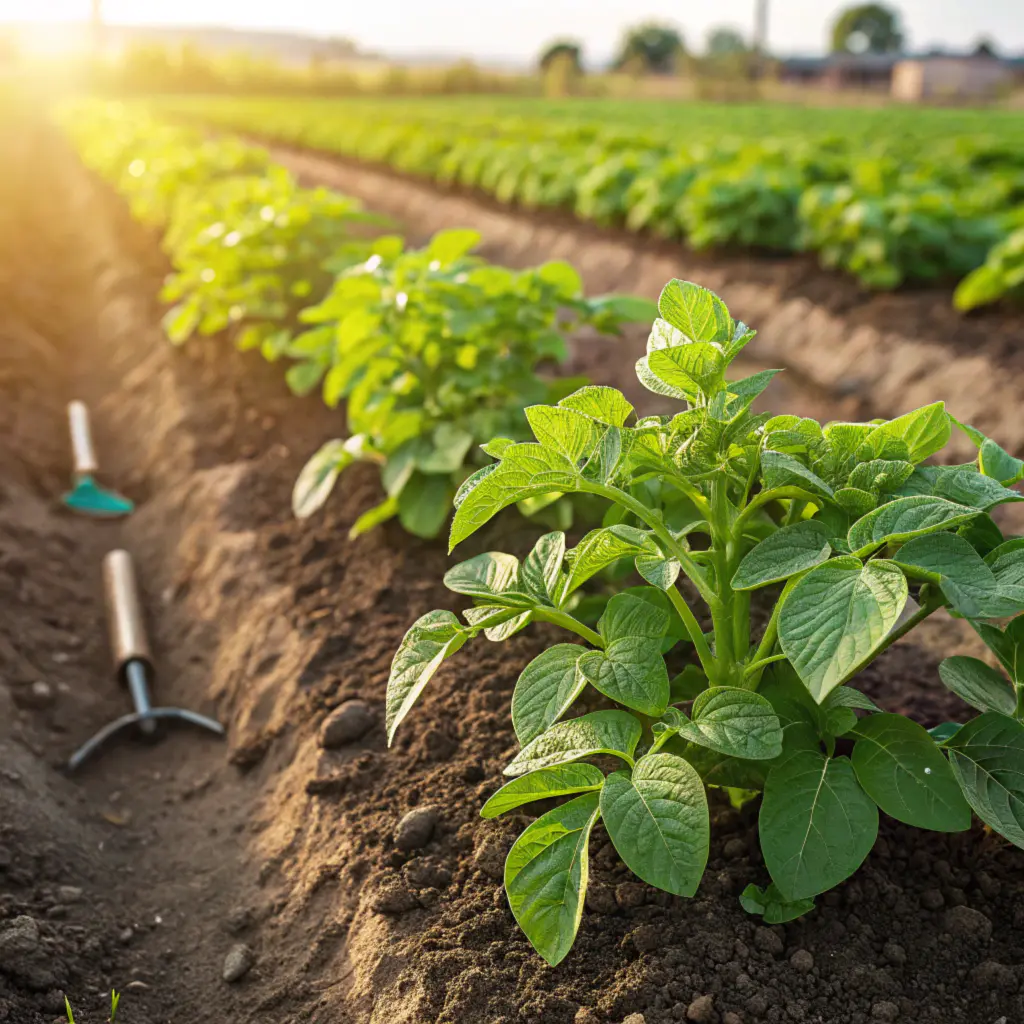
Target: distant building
935, 75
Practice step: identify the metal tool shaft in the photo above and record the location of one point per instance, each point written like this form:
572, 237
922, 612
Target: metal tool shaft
82, 448
128, 641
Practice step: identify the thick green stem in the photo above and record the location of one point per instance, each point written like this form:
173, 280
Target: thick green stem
566, 621
661, 531
707, 659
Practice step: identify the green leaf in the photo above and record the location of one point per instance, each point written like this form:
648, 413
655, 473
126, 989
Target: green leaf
601, 732
782, 554
606, 405
903, 771
180, 322
691, 369
448, 246
1008, 569
542, 785
657, 819
948, 560
564, 276
424, 504
542, 568
816, 823
494, 574
903, 519
837, 616
432, 638
449, 447
966, 487
925, 431
699, 313
546, 689
736, 722
848, 697
772, 905
373, 517
525, 471
630, 671
601, 548
987, 757
303, 377
659, 570
631, 615
999, 464
564, 430
319, 475
782, 470
546, 876
741, 393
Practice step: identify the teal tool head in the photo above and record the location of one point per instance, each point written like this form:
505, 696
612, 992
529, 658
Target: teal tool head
92, 500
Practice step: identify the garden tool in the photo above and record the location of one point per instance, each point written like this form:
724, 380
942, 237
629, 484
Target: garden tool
132, 660
88, 497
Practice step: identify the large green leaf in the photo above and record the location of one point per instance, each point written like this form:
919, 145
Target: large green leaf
542, 785
692, 369
542, 567
987, 756
566, 431
699, 313
546, 876
733, 721
546, 689
601, 732
432, 638
903, 519
424, 504
601, 548
526, 470
816, 823
782, 470
606, 405
965, 580
837, 616
493, 574
631, 615
903, 771
924, 430
978, 684
783, 554
657, 818
630, 671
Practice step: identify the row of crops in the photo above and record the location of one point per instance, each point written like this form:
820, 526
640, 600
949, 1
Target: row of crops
432, 351
808, 548
893, 199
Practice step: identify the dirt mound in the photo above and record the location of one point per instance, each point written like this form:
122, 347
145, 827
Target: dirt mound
274, 859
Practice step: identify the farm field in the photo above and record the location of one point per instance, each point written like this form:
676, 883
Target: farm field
352, 303
892, 196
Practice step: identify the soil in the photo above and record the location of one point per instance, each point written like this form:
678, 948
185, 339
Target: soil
147, 869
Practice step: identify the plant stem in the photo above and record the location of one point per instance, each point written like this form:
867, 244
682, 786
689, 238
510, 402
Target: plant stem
566, 621
661, 531
1019, 713
707, 659
757, 666
774, 494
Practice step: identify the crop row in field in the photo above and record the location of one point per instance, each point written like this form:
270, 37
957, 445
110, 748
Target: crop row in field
433, 351
889, 196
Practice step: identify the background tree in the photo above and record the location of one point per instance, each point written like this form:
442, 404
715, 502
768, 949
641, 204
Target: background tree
651, 47
564, 51
867, 28
724, 42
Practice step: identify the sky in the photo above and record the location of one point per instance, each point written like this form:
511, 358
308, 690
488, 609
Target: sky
518, 29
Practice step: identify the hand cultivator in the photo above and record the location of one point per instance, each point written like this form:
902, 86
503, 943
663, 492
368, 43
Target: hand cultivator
87, 496
132, 660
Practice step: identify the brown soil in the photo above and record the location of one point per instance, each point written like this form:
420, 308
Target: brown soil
145, 869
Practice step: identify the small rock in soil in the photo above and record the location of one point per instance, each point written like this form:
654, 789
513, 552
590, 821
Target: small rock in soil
731, 1018
635, 1018
802, 961
40, 695
585, 1015
701, 1010
768, 941
347, 723
894, 953
416, 828
885, 1011
647, 938
489, 856
966, 923
601, 898
425, 874
932, 899
734, 849
238, 963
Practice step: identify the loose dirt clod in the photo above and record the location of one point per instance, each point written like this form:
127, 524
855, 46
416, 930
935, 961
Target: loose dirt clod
968, 924
702, 1010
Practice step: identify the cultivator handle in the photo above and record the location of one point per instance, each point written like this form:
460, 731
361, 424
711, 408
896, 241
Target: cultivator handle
82, 449
128, 640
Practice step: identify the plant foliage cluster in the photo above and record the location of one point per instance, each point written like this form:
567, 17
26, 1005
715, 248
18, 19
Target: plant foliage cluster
898, 197
433, 351
847, 536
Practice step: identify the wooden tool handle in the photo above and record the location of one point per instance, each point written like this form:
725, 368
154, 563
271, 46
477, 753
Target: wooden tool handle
82, 449
127, 629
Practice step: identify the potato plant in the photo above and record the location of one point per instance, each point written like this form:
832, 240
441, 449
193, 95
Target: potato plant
846, 538
434, 352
